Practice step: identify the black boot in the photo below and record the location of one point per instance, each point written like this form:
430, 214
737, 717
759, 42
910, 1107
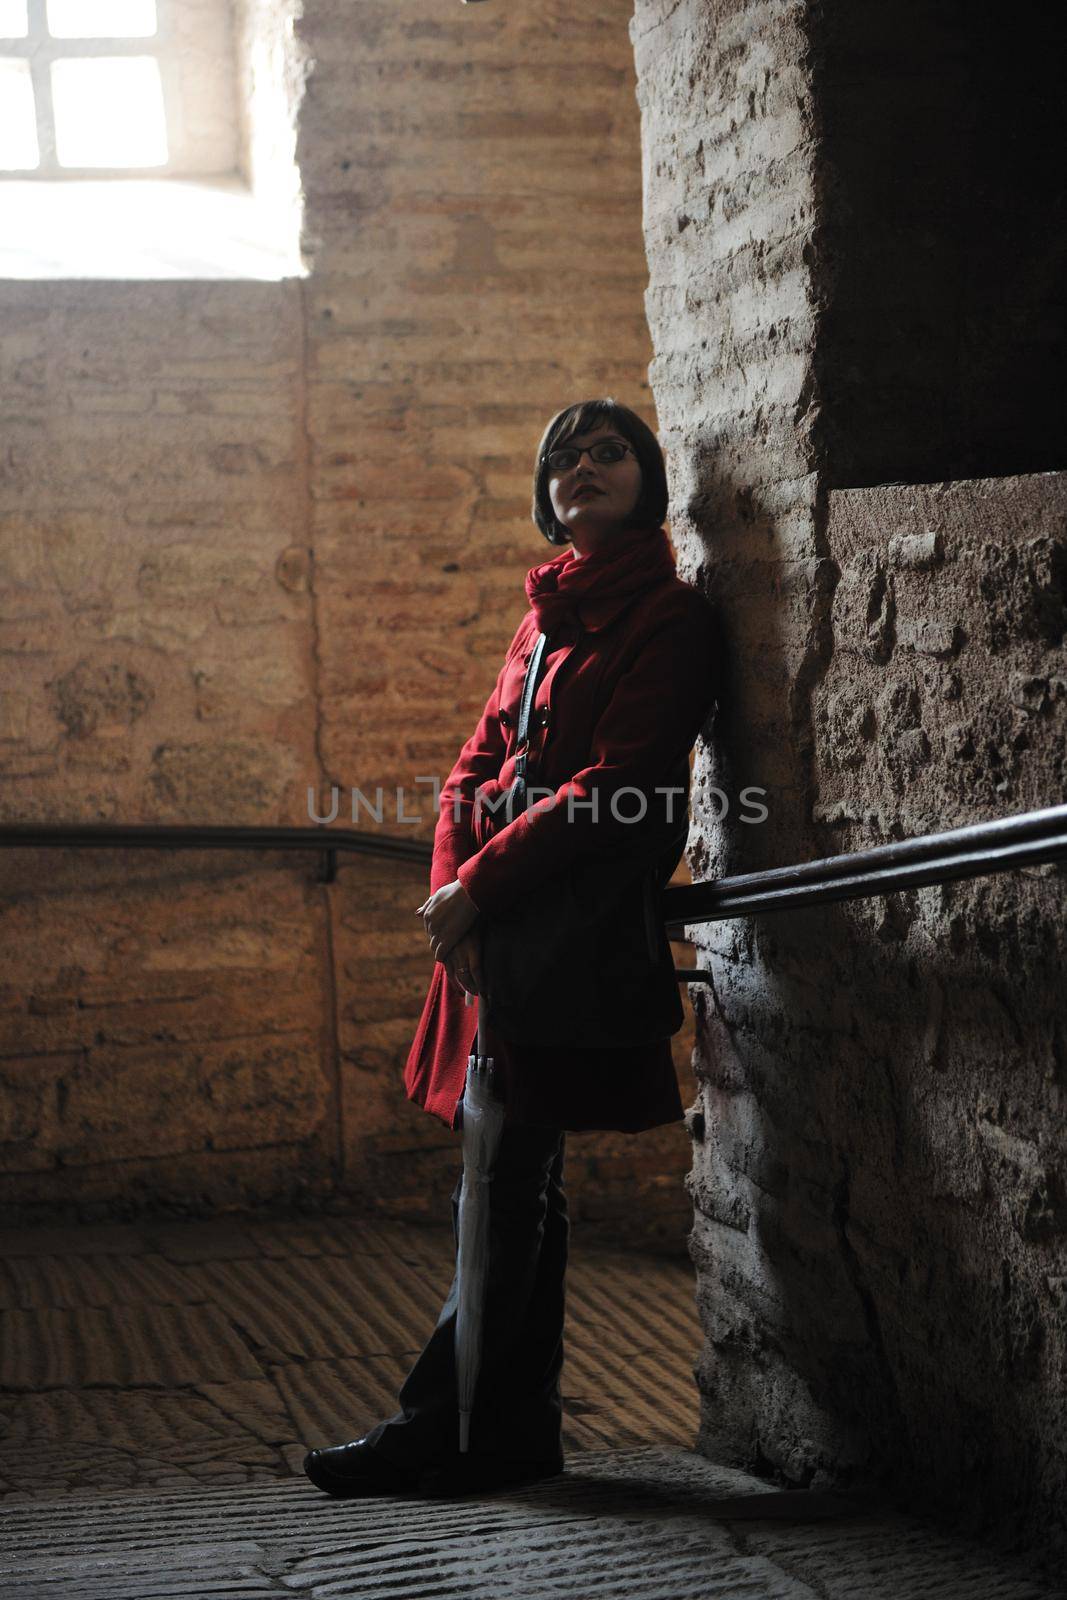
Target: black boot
346, 1470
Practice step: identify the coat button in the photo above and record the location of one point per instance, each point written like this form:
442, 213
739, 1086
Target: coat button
505, 718
542, 717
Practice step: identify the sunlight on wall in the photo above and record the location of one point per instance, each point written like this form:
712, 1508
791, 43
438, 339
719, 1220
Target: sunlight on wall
141, 228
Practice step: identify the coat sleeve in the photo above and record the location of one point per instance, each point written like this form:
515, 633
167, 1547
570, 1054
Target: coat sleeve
648, 727
479, 762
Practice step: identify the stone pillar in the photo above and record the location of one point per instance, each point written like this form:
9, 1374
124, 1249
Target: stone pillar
879, 1162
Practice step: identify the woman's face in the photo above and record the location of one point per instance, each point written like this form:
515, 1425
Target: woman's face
591, 499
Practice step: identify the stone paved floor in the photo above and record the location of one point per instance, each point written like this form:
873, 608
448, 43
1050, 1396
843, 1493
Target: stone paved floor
159, 1384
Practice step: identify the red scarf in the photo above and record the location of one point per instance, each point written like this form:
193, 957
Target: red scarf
589, 591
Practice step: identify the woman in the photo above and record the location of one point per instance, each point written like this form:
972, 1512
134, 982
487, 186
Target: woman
626, 683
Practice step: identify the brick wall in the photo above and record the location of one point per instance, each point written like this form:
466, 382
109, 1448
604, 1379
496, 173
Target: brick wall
259, 537
163, 1015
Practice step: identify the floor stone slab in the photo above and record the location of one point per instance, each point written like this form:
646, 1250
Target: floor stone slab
153, 1448
350, 1236
331, 1306
632, 1400
334, 1401
192, 1573
253, 1403
75, 1440
73, 1281
122, 1346
647, 1524
646, 1299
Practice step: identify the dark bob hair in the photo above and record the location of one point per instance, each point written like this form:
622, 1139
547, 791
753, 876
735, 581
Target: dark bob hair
651, 507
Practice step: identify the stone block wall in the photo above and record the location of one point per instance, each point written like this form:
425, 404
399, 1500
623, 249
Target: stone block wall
264, 537
879, 1159
879, 1177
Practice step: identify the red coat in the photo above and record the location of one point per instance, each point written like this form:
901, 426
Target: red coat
623, 694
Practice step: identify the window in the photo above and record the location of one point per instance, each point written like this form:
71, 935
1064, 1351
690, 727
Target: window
118, 86
126, 150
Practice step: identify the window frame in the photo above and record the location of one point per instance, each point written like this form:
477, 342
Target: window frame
40, 48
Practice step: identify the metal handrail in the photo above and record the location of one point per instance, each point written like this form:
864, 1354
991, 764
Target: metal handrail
1030, 839
982, 848
181, 836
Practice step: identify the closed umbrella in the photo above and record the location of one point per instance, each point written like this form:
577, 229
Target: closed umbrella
483, 1124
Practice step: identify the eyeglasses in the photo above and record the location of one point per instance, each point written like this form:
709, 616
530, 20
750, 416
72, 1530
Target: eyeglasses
605, 452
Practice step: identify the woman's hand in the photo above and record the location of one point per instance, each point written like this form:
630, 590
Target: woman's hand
463, 962
447, 915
